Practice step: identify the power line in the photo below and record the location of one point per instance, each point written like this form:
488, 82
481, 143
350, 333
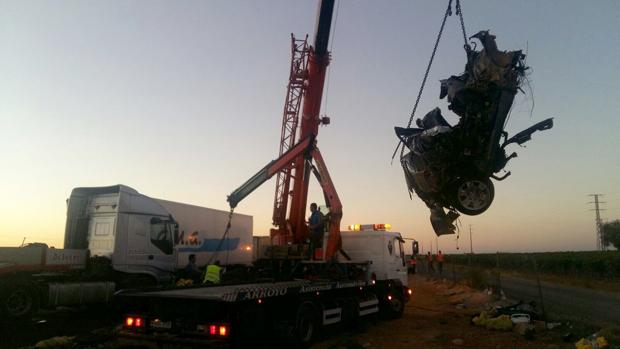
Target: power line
471, 245
600, 239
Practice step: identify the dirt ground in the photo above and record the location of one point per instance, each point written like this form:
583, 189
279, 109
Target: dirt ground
432, 319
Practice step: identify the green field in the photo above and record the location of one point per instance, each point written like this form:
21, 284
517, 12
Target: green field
590, 265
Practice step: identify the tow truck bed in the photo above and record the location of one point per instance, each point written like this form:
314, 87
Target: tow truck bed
212, 314
244, 292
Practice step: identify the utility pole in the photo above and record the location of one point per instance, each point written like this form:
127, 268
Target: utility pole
471, 246
600, 243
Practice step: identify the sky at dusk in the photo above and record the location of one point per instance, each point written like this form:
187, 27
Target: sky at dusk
182, 100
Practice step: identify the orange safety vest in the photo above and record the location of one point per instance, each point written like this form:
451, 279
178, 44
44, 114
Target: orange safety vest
440, 257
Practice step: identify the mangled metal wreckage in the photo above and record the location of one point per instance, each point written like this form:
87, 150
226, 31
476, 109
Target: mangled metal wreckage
450, 167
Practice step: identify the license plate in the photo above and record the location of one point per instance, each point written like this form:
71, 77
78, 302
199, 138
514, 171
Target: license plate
157, 323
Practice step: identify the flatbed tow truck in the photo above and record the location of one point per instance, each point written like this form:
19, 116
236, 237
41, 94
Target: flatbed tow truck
297, 309
293, 292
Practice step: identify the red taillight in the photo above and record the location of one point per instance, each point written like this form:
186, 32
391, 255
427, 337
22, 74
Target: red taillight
132, 321
223, 331
216, 330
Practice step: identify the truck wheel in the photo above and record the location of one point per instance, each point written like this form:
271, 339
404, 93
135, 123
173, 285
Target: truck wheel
395, 306
306, 325
473, 196
19, 302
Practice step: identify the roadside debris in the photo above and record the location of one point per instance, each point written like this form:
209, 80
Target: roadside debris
56, 343
592, 342
449, 167
611, 334
520, 318
185, 282
519, 311
500, 323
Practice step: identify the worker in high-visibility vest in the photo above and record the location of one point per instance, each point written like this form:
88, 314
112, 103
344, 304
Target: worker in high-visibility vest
212, 274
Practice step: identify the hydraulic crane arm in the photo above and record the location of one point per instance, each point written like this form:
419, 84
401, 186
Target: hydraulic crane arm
334, 241
307, 150
269, 170
318, 61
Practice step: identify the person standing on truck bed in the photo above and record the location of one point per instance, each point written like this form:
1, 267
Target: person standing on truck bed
212, 275
316, 226
191, 270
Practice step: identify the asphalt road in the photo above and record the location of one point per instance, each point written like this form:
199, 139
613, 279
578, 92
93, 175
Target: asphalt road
566, 302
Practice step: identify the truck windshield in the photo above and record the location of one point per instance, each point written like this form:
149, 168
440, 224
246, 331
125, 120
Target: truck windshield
161, 235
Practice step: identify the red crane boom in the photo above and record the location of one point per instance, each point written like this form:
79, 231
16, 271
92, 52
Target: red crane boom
290, 119
295, 162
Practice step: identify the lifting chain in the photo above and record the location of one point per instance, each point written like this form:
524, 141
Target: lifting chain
217, 250
459, 11
448, 12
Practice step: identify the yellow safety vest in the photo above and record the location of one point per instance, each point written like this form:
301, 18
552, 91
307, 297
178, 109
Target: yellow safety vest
212, 274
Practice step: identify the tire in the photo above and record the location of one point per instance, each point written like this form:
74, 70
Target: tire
396, 306
19, 302
306, 325
473, 196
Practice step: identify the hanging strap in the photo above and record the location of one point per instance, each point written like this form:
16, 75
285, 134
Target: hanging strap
430, 63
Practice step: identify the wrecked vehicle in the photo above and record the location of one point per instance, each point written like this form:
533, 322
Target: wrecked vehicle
450, 167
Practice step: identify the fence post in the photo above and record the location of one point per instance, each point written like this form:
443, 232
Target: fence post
499, 275
540, 293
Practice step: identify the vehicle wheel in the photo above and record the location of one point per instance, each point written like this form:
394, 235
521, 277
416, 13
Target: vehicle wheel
19, 302
473, 196
396, 306
306, 325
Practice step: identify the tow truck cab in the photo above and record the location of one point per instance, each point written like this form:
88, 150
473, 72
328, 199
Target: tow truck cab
383, 249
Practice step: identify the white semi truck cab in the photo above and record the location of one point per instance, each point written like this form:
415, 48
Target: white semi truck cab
115, 236
144, 235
